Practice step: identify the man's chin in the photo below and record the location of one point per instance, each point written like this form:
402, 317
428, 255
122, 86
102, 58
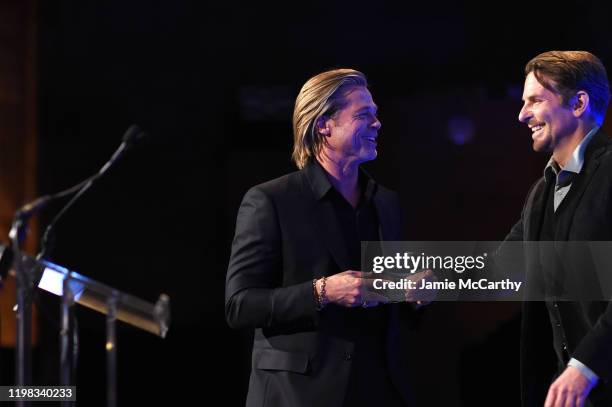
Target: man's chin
369, 156
540, 147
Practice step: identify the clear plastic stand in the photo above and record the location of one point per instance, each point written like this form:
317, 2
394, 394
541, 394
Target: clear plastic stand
75, 288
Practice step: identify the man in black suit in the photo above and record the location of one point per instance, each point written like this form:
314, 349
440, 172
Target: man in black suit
321, 339
565, 97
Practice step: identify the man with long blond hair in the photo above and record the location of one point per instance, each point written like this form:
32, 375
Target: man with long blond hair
321, 339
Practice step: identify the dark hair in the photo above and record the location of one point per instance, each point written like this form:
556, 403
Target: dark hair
567, 72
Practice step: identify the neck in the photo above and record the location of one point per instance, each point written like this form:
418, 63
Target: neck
563, 151
343, 176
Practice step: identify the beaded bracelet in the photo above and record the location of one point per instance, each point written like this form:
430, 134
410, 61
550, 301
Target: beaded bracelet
322, 296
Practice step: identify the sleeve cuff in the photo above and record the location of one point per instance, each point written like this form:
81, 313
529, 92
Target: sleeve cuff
588, 373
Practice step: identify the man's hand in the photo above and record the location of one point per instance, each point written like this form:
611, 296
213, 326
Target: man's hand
350, 289
569, 390
421, 296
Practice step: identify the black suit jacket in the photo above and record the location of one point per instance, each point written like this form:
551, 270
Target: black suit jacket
584, 215
286, 236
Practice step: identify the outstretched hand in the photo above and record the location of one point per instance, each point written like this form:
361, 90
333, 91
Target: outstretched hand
350, 289
421, 296
569, 390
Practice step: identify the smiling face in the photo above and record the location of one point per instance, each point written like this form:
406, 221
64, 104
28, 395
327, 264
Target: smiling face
351, 132
552, 122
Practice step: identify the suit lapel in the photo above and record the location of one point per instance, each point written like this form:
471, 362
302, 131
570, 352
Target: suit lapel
384, 218
568, 207
322, 216
534, 210
324, 219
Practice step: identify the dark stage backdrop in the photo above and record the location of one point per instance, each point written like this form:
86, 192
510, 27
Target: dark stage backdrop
213, 83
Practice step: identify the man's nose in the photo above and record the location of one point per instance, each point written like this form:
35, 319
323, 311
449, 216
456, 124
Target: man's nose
376, 124
524, 114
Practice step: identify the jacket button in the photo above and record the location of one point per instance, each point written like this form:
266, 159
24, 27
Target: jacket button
348, 356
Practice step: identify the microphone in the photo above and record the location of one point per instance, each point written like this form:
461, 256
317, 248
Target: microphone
132, 136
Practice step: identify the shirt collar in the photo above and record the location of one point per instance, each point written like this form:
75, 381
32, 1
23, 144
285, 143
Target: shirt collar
321, 185
576, 160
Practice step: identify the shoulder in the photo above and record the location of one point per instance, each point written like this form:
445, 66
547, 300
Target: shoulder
275, 190
606, 153
535, 192
386, 192
600, 146
603, 157
387, 195
536, 187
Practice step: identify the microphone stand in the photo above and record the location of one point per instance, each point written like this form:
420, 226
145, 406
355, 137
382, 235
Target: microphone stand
23, 359
27, 280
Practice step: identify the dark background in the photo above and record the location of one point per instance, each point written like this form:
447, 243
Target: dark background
213, 83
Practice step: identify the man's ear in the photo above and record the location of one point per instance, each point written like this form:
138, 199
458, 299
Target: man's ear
580, 103
322, 126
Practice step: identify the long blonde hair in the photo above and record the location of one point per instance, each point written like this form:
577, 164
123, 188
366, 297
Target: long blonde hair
321, 95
